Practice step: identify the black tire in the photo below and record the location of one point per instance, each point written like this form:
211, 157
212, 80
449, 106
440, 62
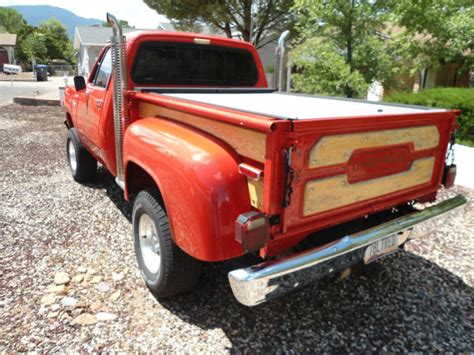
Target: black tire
177, 271
86, 166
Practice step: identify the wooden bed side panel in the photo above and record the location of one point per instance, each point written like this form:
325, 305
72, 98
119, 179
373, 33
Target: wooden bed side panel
247, 142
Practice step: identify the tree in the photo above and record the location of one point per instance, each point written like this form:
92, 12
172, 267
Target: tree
48, 41
256, 20
342, 48
34, 47
11, 20
56, 40
435, 32
321, 69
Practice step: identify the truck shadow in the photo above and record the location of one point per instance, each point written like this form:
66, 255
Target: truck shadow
106, 182
422, 307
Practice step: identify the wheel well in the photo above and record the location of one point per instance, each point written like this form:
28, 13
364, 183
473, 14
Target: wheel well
138, 179
69, 120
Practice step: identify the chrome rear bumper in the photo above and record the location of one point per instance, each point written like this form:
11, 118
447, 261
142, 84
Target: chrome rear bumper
260, 283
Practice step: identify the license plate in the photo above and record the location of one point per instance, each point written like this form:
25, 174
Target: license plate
381, 247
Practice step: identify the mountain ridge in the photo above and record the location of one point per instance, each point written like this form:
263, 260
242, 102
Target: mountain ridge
35, 14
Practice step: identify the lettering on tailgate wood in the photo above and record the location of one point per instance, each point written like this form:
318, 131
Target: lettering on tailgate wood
337, 149
245, 141
329, 193
371, 163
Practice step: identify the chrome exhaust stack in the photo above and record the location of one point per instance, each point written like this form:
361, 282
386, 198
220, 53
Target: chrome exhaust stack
117, 42
280, 63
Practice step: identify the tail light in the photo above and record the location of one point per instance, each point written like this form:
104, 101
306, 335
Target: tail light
252, 230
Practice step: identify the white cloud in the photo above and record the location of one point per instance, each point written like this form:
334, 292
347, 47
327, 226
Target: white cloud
136, 12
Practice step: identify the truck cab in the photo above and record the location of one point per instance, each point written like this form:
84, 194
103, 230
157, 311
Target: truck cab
218, 165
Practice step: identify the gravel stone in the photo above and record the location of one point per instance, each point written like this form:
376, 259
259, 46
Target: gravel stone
103, 287
61, 278
60, 290
96, 279
104, 316
117, 276
78, 278
84, 319
115, 296
50, 223
95, 306
69, 302
48, 300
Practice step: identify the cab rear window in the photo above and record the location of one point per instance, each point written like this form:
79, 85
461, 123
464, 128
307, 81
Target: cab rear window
171, 63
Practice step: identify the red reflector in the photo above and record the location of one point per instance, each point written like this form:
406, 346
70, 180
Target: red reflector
449, 176
250, 171
252, 230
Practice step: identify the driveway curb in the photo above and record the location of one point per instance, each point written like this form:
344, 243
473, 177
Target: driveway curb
34, 101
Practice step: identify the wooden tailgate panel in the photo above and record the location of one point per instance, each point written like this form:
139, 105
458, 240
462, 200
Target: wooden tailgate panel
333, 192
336, 149
336, 191
348, 167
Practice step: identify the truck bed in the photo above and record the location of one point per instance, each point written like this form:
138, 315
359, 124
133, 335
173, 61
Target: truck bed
299, 107
324, 160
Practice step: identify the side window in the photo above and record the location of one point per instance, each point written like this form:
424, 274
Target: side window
104, 71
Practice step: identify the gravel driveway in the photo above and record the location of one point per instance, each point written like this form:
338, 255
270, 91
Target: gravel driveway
79, 236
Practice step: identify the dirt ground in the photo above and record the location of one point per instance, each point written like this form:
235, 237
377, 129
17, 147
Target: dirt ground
54, 228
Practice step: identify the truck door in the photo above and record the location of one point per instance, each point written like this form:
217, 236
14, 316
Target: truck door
94, 100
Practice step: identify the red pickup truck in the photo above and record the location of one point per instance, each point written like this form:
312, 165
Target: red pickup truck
219, 165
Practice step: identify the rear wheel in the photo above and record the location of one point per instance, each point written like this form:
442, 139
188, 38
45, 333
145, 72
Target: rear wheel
166, 269
82, 164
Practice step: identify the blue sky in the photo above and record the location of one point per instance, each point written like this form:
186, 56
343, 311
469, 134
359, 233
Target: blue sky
136, 12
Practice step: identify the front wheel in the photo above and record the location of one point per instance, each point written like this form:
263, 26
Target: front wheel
166, 269
82, 164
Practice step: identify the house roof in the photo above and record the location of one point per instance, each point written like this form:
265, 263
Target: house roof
95, 35
99, 36
7, 39
166, 26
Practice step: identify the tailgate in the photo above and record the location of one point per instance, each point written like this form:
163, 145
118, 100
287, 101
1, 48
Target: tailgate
344, 168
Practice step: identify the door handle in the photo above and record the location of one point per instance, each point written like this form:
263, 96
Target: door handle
99, 102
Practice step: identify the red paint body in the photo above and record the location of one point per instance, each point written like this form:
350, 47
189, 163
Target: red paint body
198, 174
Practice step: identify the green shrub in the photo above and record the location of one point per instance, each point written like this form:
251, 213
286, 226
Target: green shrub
451, 98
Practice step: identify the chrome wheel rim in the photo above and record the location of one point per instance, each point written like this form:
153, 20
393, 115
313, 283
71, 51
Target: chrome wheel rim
72, 156
149, 243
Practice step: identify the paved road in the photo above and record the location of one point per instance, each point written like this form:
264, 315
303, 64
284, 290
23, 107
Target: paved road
41, 89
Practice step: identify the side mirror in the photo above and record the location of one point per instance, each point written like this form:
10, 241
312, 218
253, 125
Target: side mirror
79, 83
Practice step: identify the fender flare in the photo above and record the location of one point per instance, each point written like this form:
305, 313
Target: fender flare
197, 176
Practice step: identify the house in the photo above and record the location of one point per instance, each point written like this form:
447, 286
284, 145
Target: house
446, 75
89, 41
7, 48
